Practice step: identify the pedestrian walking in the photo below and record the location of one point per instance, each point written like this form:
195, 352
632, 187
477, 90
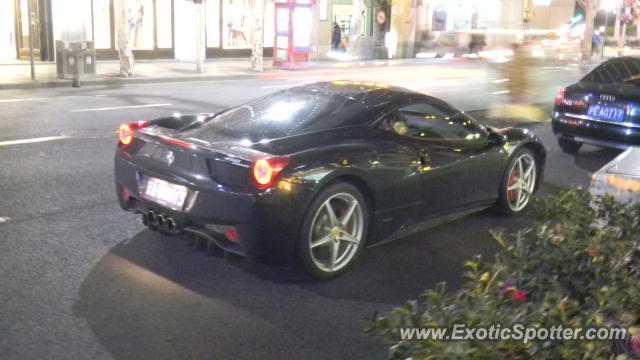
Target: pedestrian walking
336, 37
596, 40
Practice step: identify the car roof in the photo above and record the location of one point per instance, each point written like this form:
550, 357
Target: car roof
370, 94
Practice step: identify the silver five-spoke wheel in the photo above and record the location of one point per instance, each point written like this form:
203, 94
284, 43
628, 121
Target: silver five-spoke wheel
336, 231
521, 181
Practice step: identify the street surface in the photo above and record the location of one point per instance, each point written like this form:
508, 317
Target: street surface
82, 279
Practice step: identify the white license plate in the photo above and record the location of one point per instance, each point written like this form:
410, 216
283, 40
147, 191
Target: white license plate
165, 193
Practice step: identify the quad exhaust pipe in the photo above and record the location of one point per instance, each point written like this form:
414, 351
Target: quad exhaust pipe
159, 220
171, 224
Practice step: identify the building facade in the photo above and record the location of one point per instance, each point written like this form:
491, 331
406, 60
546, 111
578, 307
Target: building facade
164, 29
551, 14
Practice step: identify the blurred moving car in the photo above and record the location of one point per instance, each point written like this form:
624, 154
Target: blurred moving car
313, 173
603, 108
551, 48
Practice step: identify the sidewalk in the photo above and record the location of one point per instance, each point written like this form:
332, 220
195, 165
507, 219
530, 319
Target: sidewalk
17, 74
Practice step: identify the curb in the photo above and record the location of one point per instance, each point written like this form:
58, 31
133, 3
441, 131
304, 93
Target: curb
319, 67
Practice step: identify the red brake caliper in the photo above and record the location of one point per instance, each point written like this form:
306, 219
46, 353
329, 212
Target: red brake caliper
341, 213
512, 180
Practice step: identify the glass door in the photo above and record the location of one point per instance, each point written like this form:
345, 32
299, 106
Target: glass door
23, 28
41, 30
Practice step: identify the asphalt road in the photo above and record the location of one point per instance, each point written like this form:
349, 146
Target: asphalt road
80, 278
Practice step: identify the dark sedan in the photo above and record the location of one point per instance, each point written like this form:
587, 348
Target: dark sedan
312, 174
603, 108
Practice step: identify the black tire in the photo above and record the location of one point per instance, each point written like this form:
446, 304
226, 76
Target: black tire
505, 203
568, 145
332, 193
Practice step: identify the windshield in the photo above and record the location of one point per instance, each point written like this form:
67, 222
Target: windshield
286, 113
616, 71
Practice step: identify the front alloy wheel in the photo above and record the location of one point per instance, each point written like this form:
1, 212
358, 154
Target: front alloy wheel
519, 183
335, 231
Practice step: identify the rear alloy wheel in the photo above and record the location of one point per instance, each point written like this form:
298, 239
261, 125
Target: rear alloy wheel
568, 145
519, 183
334, 231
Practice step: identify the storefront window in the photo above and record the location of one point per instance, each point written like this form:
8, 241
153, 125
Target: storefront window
301, 29
237, 19
237, 15
163, 12
342, 11
24, 22
102, 24
213, 23
282, 42
149, 23
463, 16
439, 18
229, 23
269, 26
140, 16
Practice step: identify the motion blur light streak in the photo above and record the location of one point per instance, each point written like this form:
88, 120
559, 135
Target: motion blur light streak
341, 56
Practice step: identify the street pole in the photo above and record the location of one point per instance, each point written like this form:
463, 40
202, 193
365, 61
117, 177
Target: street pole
258, 36
31, 61
199, 36
604, 36
616, 29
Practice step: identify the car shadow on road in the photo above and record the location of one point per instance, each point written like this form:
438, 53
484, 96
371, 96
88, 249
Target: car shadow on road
593, 158
154, 296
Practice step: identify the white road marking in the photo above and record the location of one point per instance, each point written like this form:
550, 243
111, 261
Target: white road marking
4, 219
25, 99
500, 92
120, 107
43, 98
34, 140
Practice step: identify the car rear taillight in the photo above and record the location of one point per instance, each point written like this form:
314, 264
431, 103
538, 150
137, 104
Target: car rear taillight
125, 131
560, 97
266, 170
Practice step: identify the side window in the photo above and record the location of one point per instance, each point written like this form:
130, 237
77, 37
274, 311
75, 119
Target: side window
433, 121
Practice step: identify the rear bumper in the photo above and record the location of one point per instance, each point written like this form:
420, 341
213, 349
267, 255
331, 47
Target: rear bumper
266, 222
594, 132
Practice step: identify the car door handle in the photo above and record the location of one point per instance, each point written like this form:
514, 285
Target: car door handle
424, 158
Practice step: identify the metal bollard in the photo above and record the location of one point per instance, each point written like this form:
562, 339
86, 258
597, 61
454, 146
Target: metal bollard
79, 65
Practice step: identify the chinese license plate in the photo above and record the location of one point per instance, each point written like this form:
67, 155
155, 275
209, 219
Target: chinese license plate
606, 113
165, 193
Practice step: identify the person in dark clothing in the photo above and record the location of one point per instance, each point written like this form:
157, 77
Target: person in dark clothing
336, 37
596, 40
476, 44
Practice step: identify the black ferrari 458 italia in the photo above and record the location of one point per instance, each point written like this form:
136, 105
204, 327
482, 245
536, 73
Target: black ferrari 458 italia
312, 174
603, 108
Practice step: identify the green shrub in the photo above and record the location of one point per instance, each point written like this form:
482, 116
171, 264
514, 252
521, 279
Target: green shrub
575, 267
